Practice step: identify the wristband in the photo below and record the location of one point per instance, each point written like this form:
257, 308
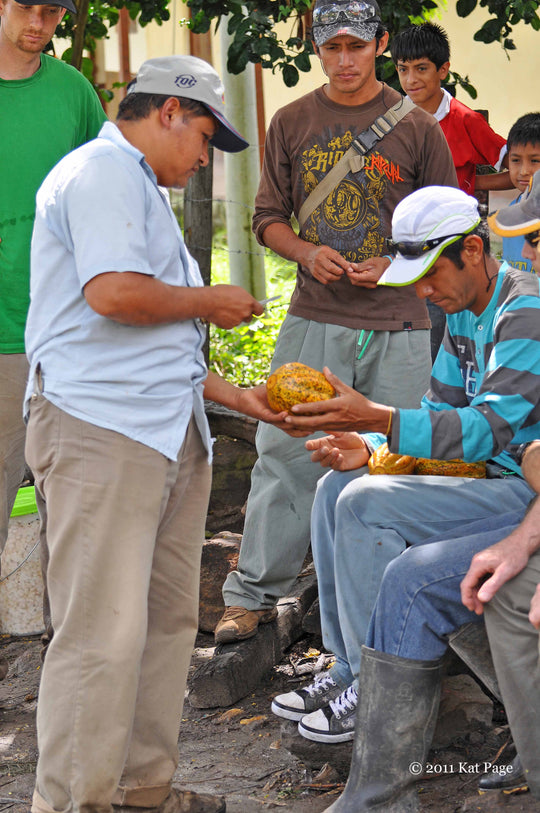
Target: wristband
521, 449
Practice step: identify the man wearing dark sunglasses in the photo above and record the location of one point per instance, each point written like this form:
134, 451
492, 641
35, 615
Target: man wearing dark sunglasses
376, 339
432, 594
483, 404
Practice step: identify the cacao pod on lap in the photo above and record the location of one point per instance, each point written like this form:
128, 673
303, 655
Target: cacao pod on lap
450, 468
382, 461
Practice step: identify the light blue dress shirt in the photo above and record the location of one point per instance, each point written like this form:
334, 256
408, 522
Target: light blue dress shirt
100, 210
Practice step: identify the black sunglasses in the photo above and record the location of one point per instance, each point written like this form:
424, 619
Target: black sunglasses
411, 250
532, 238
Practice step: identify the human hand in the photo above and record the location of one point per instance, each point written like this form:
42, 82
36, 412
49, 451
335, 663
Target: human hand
490, 569
348, 411
366, 274
229, 305
253, 401
534, 613
341, 451
325, 264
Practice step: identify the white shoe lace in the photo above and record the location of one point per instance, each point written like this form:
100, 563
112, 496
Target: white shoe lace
344, 703
320, 685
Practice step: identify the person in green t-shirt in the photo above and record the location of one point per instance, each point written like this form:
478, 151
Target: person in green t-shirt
47, 109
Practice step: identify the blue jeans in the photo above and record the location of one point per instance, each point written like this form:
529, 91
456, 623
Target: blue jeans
419, 602
360, 523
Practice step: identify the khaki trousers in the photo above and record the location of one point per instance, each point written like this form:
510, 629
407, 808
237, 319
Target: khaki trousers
125, 532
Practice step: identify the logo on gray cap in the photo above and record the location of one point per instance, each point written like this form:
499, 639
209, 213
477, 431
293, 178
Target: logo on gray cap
185, 80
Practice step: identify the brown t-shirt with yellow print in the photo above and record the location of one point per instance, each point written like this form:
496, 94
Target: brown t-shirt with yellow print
305, 140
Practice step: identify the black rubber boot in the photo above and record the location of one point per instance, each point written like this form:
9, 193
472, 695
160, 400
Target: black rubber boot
395, 721
510, 781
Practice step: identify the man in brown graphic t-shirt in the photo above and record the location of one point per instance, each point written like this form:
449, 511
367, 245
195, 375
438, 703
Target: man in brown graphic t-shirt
376, 339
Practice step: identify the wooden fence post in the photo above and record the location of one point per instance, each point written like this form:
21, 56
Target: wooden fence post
198, 220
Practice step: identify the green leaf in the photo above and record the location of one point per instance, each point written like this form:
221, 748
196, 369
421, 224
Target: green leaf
106, 95
388, 69
302, 61
237, 58
290, 75
87, 69
490, 31
465, 7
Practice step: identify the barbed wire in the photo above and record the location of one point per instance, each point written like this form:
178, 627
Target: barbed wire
15, 569
227, 250
247, 206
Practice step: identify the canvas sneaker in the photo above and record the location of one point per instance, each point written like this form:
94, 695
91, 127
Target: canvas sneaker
295, 705
333, 723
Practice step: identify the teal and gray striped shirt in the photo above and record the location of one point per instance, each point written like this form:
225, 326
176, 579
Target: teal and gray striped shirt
484, 399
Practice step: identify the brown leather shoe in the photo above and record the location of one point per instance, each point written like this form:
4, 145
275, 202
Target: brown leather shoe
237, 623
181, 801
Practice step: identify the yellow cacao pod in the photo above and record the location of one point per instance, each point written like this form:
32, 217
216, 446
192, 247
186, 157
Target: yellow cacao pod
383, 461
296, 383
450, 468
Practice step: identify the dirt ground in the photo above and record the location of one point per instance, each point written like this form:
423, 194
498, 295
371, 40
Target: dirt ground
240, 752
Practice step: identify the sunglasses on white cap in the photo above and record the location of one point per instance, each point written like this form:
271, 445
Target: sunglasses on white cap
409, 250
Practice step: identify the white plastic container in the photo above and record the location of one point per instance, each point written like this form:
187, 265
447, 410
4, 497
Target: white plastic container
21, 584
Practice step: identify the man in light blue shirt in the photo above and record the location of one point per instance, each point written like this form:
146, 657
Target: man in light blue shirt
119, 443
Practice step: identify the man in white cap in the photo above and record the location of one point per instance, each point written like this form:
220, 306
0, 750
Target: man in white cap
376, 339
427, 594
47, 109
472, 411
119, 442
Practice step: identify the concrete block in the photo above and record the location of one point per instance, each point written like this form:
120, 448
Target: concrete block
219, 557
236, 669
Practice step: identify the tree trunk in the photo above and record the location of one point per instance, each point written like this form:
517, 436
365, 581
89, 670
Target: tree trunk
198, 221
78, 39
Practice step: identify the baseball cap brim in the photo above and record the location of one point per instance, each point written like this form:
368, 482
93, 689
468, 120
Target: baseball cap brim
508, 223
361, 30
226, 138
405, 271
521, 217
67, 4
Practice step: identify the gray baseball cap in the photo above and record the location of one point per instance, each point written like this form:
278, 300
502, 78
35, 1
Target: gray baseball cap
67, 4
522, 217
192, 78
358, 18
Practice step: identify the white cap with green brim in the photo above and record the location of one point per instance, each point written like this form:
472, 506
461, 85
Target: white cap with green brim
423, 225
192, 78
521, 218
